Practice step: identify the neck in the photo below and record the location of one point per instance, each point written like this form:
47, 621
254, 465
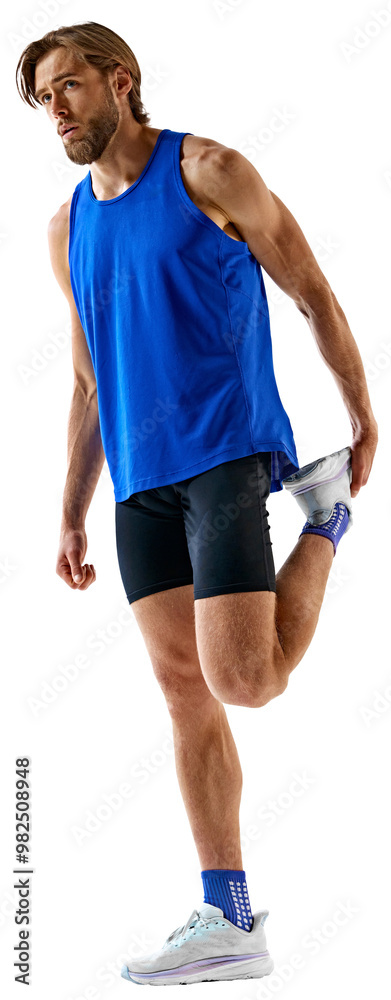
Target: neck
124, 159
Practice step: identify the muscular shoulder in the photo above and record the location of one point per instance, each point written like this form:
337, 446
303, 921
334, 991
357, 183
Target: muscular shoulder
206, 163
58, 227
58, 238
200, 148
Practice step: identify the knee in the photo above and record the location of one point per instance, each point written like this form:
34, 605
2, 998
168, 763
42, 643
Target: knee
266, 692
184, 687
250, 688
254, 697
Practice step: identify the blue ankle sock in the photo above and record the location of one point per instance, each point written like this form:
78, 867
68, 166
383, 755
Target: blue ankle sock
334, 528
228, 890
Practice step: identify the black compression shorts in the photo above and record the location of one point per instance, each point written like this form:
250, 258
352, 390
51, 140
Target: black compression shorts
210, 530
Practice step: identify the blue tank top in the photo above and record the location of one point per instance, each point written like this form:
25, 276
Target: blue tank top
177, 324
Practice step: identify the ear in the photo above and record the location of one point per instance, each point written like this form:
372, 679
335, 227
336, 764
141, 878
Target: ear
122, 80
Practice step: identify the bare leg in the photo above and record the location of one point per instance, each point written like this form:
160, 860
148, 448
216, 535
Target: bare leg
249, 643
301, 584
206, 758
210, 780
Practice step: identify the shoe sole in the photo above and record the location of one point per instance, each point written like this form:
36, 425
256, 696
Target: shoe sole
316, 508
206, 971
310, 472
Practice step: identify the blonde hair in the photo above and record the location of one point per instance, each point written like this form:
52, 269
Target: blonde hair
92, 43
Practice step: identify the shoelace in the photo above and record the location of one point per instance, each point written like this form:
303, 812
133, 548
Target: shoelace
195, 916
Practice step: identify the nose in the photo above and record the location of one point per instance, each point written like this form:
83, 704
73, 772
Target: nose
58, 106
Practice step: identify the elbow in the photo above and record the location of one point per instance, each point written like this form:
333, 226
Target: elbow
316, 301
303, 308
87, 389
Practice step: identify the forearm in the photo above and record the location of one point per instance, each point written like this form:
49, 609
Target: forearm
339, 350
85, 458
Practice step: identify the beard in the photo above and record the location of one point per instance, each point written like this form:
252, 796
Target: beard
101, 127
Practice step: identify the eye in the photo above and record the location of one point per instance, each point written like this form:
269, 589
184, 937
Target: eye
43, 99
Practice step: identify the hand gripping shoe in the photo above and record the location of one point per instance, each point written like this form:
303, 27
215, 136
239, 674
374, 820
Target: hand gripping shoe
207, 948
318, 486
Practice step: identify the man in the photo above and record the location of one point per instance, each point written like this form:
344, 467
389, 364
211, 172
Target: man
159, 253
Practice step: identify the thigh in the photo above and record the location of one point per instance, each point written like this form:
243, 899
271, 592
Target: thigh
157, 576
226, 520
166, 621
151, 543
226, 523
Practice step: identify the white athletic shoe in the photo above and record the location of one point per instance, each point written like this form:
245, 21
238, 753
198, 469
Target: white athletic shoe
207, 948
318, 486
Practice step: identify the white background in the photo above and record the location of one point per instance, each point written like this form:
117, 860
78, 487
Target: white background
222, 71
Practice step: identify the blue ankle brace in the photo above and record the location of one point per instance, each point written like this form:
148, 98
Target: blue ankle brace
334, 528
227, 889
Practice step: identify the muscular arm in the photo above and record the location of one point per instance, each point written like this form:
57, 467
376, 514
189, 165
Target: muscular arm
235, 187
85, 450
